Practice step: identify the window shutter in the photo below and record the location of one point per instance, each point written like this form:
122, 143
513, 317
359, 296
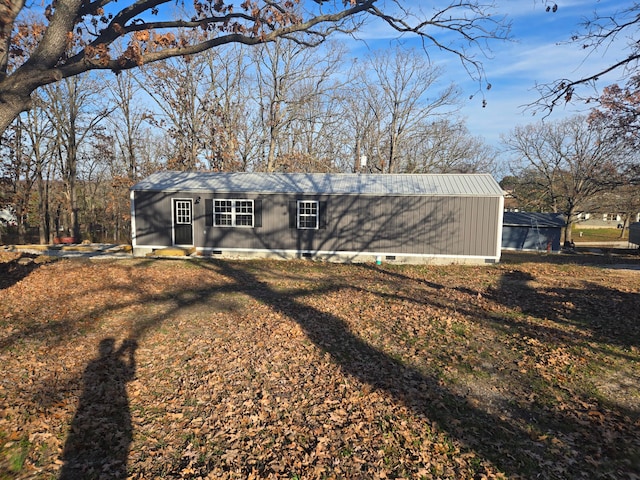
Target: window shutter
293, 213
322, 212
257, 213
208, 212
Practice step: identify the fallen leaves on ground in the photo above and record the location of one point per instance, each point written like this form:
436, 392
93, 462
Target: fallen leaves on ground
266, 369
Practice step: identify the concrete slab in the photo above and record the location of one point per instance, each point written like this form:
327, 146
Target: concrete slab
173, 252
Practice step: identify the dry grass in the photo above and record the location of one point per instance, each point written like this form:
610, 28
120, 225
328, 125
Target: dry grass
261, 369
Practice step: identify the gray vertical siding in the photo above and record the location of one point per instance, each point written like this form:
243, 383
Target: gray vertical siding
152, 212
425, 225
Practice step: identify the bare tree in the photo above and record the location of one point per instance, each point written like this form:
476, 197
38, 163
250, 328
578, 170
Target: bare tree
74, 108
316, 119
400, 97
39, 136
294, 85
127, 121
360, 132
184, 98
619, 113
77, 36
26, 161
446, 146
567, 162
96, 190
277, 69
202, 103
228, 81
19, 167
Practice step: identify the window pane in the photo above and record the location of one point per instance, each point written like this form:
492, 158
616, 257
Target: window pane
222, 212
244, 220
222, 219
307, 222
183, 212
244, 213
308, 214
244, 206
233, 213
222, 206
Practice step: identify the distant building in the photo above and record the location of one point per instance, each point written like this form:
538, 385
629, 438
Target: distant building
603, 220
532, 231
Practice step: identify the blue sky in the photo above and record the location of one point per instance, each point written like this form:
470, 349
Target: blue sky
538, 53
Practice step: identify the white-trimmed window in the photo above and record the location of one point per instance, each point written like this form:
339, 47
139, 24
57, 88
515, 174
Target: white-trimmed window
233, 213
183, 212
308, 215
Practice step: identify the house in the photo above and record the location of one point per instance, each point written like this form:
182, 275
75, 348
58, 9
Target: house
604, 220
448, 218
532, 231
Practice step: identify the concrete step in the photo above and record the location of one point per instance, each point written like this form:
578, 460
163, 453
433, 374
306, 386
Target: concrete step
173, 252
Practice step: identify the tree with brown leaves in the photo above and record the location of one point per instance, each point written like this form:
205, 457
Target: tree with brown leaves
78, 36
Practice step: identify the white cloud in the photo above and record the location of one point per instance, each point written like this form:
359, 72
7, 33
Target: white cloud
538, 54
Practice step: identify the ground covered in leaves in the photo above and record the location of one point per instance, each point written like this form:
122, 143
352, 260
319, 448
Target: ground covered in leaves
302, 370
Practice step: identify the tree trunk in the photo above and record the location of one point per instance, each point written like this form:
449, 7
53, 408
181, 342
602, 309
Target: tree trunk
21, 226
70, 187
271, 157
568, 236
75, 220
42, 207
10, 107
625, 219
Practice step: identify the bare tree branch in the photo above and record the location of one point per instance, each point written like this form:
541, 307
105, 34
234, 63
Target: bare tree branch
472, 22
600, 32
78, 35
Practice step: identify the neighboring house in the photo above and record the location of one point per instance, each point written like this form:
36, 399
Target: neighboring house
532, 231
603, 220
511, 204
449, 218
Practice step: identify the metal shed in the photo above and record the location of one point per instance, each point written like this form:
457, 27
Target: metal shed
449, 218
634, 233
532, 231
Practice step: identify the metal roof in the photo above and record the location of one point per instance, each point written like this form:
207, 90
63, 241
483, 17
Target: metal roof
323, 183
533, 219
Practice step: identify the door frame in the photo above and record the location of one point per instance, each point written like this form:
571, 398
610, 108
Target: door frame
174, 201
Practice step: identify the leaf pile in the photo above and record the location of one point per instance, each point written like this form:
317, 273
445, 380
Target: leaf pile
266, 369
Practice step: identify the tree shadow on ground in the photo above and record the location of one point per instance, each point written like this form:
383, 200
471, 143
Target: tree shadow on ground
15, 270
98, 442
500, 435
606, 315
